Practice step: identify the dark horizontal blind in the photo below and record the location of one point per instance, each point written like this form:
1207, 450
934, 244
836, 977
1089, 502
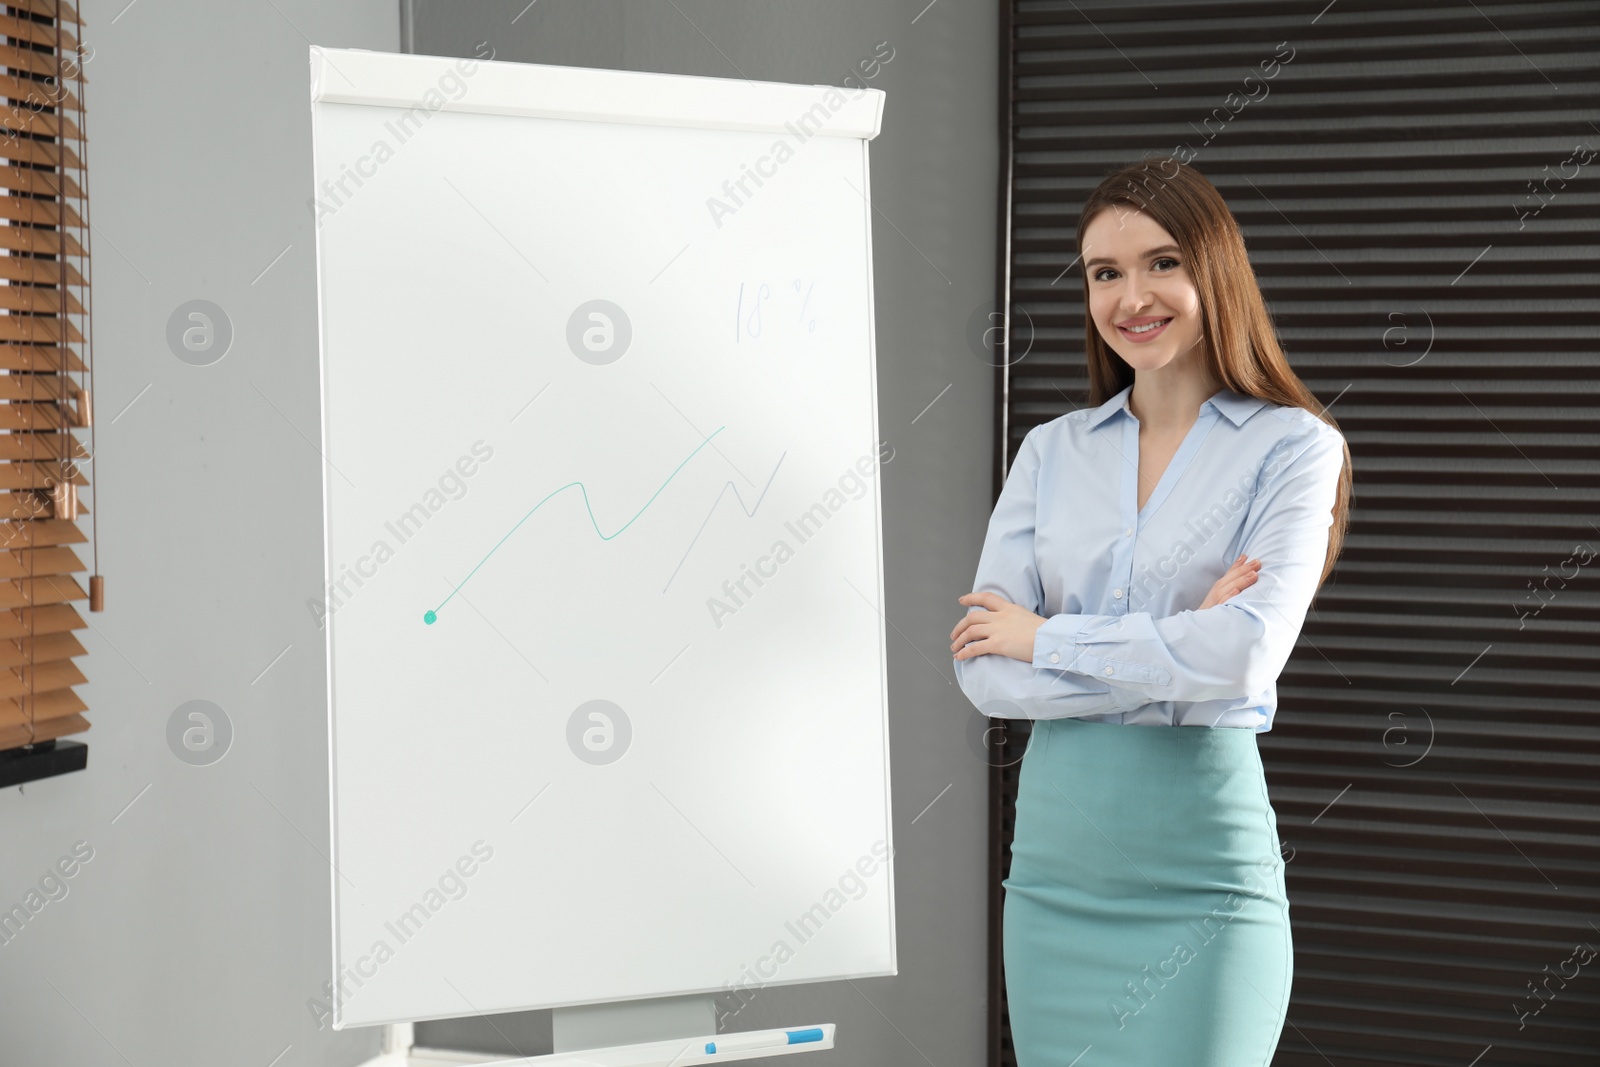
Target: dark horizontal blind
1419, 190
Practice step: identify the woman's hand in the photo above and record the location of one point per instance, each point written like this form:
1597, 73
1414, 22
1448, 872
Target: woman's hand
1241, 576
1003, 627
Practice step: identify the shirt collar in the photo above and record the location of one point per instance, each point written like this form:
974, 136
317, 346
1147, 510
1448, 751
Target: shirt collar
1236, 406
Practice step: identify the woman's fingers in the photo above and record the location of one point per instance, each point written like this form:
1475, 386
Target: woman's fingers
987, 601
971, 633
970, 619
1240, 578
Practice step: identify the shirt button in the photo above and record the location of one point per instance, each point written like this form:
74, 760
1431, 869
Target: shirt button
1117, 593
1054, 658
1108, 670
1130, 531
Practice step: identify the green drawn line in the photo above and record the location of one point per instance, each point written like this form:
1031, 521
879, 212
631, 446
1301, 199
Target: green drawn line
429, 617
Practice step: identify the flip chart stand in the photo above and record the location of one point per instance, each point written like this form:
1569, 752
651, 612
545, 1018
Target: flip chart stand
663, 1032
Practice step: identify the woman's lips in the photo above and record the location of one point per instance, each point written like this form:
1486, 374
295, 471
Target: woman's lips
1147, 335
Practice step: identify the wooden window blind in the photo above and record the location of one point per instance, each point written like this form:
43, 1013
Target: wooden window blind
44, 398
1420, 195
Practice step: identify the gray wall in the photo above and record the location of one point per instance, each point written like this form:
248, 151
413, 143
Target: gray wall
200, 927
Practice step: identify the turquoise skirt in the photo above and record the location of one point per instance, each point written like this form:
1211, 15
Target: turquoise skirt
1145, 919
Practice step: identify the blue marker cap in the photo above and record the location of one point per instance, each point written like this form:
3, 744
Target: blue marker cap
792, 1037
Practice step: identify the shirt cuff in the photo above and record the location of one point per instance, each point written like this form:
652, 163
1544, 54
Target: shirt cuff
1059, 645
1055, 645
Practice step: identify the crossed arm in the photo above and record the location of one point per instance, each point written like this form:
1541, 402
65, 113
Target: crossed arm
1085, 664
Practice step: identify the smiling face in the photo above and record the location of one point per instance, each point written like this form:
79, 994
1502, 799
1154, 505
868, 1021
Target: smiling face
1141, 296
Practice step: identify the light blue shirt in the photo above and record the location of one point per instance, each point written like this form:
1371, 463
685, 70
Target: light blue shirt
1119, 588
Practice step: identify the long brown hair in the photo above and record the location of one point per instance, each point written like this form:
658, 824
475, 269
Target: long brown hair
1242, 348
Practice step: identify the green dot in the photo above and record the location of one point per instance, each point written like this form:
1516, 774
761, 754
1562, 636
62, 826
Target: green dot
429, 617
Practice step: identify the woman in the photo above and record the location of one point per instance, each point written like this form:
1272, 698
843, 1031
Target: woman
1148, 565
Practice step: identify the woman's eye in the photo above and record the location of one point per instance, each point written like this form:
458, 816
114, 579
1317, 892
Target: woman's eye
1100, 275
